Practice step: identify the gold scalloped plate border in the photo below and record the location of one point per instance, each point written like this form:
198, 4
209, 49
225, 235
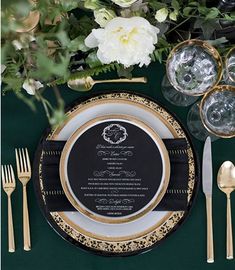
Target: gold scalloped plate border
156, 233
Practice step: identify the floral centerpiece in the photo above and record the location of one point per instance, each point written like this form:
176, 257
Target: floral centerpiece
48, 42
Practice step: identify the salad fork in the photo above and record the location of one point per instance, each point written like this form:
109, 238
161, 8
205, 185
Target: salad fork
24, 175
8, 183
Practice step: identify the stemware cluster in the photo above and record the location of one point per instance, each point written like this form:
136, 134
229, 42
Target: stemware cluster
195, 68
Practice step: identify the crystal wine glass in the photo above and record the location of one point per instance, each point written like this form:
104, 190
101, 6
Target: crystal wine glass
215, 115
229, 70
193, 68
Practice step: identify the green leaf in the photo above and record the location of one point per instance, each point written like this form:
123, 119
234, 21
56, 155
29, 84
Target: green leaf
92, 60
187, 10
194, 4
69, 5
213, 13
58, 117
125, 72
232, 15
63, 38
203, 10
157, 5
78, 44
229, 18
47, 68
218, 41
12, 83
208, 27
162, 42
175, 4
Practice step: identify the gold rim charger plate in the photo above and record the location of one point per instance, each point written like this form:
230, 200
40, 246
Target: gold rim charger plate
132, 237
75, 201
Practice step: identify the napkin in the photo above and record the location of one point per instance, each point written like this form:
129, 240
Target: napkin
175, 198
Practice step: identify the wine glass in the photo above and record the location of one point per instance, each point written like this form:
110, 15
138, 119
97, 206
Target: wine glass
215, 115
229, 70
193, 68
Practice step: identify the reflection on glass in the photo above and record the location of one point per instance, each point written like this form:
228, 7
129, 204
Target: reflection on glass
176, 97
230, 65
193, 68
196, 126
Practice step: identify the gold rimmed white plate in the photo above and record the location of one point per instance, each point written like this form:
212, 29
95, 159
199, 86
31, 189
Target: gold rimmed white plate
163, 164
143, 233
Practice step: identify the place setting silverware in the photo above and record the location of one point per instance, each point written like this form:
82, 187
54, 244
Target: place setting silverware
24, 175
207, 183
226, 183
86, 84
9, 185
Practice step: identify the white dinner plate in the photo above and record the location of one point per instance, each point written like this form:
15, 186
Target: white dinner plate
143, 232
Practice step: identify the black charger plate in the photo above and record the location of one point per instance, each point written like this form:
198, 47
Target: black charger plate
140, 244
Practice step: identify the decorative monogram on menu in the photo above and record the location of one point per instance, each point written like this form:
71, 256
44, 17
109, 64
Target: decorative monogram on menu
114, 134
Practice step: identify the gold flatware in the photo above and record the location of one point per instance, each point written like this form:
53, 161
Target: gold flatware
8, 182
24, 175
226, 183
86, 84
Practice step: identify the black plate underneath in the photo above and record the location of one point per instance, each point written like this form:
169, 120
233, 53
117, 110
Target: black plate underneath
63, 234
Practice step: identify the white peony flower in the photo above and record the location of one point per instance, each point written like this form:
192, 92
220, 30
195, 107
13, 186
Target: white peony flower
124, 3
128, 41
161, 15
103, 16
30, 85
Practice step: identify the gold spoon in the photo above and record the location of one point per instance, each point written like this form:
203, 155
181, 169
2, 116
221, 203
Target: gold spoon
226, 183
87, 83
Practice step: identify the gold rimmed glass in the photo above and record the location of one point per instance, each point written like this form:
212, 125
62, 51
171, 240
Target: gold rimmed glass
229, 67
214, 115
193, 68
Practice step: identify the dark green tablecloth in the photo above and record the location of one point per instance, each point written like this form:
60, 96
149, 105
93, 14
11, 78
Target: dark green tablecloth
185, 249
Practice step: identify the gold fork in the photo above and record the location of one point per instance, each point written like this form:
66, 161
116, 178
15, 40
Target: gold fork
24, 175
8, 182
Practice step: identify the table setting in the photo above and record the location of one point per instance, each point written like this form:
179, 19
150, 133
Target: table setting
118, 127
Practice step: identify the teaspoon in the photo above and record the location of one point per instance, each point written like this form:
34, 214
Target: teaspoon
226, 183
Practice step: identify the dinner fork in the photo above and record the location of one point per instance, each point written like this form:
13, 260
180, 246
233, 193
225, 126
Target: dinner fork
24, 175
8, 182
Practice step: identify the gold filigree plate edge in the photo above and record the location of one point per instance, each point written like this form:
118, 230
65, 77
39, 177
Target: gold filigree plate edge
152, 237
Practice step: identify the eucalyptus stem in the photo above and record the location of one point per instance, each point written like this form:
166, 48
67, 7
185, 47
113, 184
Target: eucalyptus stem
178, 25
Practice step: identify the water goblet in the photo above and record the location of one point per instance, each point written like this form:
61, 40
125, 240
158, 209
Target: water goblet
229, 69
215, 115
193, 68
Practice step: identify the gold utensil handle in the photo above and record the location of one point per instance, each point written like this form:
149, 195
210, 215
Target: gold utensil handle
210, 245
133, 80
27, 244
11, 239
229, 254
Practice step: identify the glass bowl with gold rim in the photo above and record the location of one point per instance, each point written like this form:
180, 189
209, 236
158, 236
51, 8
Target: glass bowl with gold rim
217, 111
194, 67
